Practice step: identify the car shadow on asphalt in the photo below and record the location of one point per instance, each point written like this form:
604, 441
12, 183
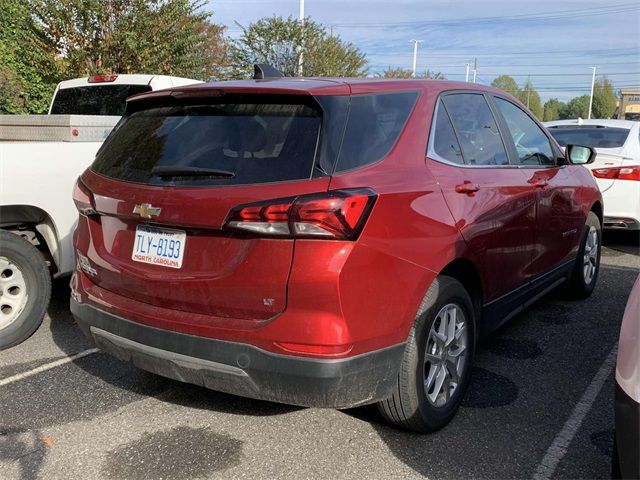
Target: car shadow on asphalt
622, 241
126, 377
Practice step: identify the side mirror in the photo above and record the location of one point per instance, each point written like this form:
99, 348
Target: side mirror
578, 155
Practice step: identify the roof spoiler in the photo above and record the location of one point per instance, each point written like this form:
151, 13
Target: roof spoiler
264, 70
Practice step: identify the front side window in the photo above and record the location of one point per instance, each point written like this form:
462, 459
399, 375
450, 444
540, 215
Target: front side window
476, 129
531, 143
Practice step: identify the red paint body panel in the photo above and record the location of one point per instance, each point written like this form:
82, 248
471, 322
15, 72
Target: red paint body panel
357, 296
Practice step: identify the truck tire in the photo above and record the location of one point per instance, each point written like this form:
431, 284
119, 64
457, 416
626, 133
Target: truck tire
25, 289
436, 366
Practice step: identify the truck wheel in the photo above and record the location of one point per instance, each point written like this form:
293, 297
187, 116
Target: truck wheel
25, 289
585, 271
436, 366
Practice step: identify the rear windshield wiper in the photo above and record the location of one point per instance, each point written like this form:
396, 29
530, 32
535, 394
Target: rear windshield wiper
191, 172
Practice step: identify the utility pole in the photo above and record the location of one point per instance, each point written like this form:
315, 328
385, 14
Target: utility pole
415, 54
300, 57
466, 76
475, 69
593, 82
528, 89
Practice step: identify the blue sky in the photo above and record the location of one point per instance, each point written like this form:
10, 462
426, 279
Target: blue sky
552, 41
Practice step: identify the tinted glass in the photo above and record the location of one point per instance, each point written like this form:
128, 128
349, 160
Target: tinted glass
590, 136
95, 100
531, 143
219, 144
476, 129
443, 141
373, 126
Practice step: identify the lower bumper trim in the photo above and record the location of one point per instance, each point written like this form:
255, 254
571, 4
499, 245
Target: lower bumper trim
243, 369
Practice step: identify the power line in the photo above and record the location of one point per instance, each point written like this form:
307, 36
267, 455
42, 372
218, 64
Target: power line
555, 15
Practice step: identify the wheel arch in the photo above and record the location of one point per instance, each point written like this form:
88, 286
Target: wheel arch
597, 209
466, 272
17, 218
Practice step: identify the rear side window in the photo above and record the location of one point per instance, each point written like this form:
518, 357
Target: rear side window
531, 143
95, 100
233, 142
476, 129
444, 143
590, 136
373, 126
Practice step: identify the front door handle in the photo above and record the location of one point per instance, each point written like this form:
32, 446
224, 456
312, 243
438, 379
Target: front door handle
467, 188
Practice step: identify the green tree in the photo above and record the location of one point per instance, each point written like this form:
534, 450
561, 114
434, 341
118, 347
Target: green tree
507, 84
552, 109
280, 42
604, 99
28, 71
173, 37
577, 107
400, 72
531, 99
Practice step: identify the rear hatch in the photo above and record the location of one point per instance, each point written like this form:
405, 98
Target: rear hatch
165, 181
609, 143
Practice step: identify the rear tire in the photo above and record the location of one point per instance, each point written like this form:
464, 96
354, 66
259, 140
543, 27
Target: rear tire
585, 271
436, 366
25, 289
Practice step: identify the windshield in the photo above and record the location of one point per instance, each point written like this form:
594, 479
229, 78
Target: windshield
95, 99
235, 142
590, 136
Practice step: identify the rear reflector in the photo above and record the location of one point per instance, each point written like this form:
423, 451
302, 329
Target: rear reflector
631, 172
319, 350
102, 78
83, 198
338, 214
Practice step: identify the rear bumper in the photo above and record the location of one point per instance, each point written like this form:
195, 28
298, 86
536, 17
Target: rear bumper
627, 415
621, 223
242, 369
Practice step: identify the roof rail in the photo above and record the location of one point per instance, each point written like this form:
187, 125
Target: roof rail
264, 70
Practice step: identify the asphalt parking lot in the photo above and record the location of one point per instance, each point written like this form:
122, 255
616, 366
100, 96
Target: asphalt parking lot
540, 404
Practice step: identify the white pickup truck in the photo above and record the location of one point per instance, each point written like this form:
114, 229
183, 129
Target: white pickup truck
41, 156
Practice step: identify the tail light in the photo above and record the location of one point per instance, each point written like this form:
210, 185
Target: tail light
83, 198
339, 214
618, 173
102, 78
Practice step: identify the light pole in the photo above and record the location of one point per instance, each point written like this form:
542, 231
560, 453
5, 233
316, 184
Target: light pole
466, 76
300, 57
593, 82
415, 54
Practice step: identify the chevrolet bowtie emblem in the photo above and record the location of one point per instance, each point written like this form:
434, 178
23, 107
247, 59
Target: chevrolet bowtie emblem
146, 210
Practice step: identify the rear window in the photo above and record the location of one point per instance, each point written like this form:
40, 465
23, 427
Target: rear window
95, 100
232, 141
595, 137
374, 124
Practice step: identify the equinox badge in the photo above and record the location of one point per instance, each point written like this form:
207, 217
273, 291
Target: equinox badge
146, 210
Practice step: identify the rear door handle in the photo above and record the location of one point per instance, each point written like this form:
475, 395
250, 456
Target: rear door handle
539, 183
467, 188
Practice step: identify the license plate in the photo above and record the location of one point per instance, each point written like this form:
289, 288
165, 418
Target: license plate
159, 246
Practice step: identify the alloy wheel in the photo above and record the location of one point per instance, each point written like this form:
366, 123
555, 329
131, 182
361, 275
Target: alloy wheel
590, 259
445, 355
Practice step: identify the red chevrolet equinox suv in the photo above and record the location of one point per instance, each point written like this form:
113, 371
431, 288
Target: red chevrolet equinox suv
327, 242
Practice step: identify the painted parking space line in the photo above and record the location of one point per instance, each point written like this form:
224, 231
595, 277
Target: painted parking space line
48, 366
560, 445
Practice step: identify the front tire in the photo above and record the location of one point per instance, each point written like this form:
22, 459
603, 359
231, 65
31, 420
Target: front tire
585, 271
436, 366
25, 289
